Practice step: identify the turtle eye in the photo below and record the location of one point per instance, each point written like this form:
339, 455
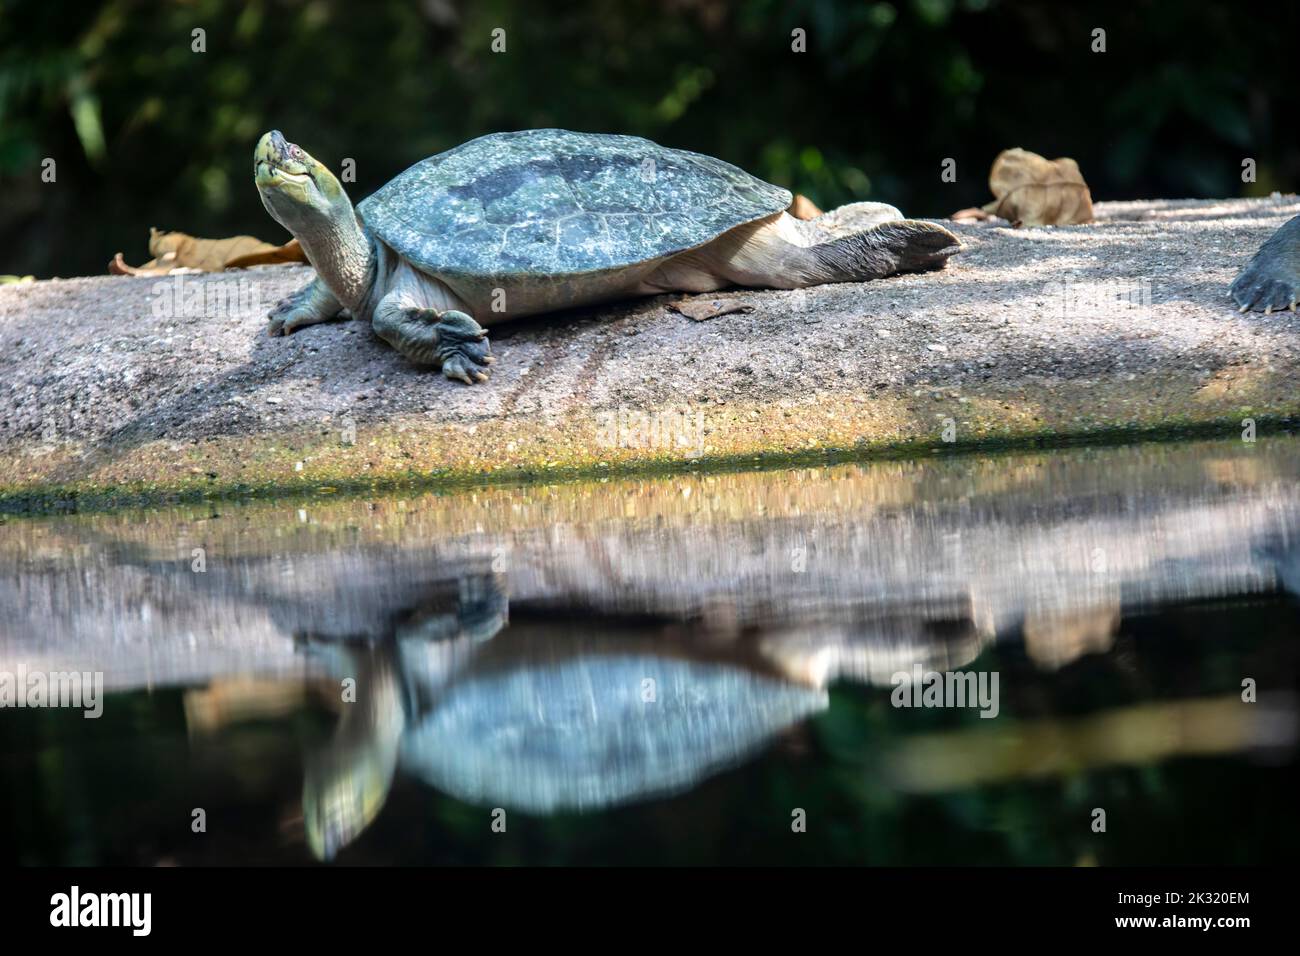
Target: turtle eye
295, 152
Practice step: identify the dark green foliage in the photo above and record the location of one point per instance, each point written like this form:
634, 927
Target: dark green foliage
146, 132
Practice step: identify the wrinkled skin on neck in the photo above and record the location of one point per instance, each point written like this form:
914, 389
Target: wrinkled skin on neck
308, 200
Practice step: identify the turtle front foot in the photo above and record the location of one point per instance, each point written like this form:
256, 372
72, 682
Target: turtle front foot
1263, 287
463, 347
1270, 282
287, 316
311, 304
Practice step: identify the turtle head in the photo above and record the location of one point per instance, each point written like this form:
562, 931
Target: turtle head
297, 190
346, 779
308, 200
343, 791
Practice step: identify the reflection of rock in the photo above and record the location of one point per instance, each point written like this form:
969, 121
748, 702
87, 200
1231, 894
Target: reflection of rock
866, 558
742, 601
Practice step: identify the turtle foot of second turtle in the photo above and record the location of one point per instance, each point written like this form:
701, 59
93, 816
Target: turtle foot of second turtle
1261, 289
1271, 280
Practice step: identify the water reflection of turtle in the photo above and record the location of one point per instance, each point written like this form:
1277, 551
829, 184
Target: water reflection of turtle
347, 780
551, 720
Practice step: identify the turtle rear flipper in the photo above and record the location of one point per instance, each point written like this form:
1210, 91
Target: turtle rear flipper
899, 245
904, 245
787, 253
1271, 280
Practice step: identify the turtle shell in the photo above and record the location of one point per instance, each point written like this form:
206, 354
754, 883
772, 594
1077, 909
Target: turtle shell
581, 735
551, 204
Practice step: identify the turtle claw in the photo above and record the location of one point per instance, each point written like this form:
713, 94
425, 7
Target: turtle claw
286, 321
461, 370
1264, 290
281, 318
463, 347
1270, 282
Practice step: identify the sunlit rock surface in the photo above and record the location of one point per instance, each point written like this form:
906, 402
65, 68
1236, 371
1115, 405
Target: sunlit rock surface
114, 383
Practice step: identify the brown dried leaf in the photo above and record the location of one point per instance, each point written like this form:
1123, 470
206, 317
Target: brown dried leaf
179, 252
701, 310
291, 251
162, 266
210, 255
119, 267
1038, 192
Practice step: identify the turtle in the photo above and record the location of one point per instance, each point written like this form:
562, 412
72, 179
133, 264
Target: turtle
346, 780
1270, 282
534, 221
553, 720
576, 734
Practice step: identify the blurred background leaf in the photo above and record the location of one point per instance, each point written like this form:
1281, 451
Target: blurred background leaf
145, 132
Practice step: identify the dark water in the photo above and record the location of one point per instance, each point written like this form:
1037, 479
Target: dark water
701, 669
